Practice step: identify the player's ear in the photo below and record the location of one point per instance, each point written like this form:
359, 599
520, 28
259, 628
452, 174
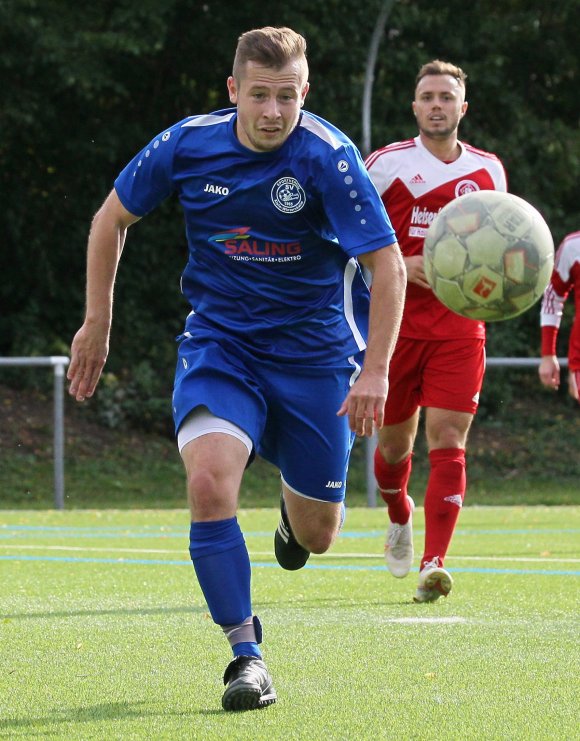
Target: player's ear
464, 108
304, 92
232, 90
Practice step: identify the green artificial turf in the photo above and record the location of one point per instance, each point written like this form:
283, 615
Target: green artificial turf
105, 633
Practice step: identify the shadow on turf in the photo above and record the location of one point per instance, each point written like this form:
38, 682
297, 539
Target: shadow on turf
101, 712
88, 613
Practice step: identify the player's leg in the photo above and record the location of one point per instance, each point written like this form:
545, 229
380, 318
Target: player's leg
453, 379
215, 448
311, 446
393, 455
447, 439
392, 466
215, 462
315, 523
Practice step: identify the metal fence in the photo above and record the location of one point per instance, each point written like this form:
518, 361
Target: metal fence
371, 443
58, 363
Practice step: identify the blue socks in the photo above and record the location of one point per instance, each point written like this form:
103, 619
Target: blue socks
222, 566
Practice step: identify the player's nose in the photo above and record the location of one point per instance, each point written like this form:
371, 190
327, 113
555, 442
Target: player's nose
272, 110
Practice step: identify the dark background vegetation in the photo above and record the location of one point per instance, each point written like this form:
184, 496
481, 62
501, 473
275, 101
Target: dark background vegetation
85, 86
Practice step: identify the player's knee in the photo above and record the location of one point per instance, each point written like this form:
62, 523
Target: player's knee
394, 452
317, 539
208, 496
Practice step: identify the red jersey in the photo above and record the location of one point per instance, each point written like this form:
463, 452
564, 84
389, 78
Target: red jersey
565, 276
414, 186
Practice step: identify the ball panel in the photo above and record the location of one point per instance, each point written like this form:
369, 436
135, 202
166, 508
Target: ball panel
450, 293
486, 247
450, 257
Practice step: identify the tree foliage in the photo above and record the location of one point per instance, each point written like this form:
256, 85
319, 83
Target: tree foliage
86, 85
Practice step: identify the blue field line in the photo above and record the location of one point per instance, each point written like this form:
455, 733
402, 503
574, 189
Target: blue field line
268, 565
12, 531
77, 534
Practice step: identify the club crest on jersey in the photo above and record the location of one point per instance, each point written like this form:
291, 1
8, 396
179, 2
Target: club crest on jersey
288, 195
465, 186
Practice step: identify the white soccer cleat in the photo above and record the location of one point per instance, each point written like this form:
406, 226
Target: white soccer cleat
399, 546
434, 582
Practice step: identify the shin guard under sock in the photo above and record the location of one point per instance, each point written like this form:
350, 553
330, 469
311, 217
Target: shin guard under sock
393, 481
443, 501
222, 565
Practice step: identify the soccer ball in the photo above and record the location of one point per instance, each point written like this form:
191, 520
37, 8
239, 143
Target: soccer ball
488, 255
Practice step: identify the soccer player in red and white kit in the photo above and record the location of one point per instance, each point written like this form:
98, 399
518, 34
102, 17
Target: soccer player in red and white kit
439, 359
565, 277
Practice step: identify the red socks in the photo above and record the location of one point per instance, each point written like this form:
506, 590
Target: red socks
443, 501
392, 481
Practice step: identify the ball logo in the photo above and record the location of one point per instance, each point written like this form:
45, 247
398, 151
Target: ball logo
465, 186
342, 166
288, 195
484, 286
166, 136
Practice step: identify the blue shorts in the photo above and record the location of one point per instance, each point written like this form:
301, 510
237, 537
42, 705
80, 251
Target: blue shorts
288, 410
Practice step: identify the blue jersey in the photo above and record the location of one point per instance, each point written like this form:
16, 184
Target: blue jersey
272, 236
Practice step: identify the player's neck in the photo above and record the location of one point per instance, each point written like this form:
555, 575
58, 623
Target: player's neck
446, 150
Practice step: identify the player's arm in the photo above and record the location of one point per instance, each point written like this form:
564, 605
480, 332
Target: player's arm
90, 345
415, 271
574, 384
549, 371
550, 318
365, 402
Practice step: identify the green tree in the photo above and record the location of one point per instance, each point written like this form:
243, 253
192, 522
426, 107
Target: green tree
86, 86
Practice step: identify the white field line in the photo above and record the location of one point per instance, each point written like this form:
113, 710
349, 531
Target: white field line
334, 556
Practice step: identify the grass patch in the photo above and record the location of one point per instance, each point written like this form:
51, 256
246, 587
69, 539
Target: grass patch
525, 453
105, 633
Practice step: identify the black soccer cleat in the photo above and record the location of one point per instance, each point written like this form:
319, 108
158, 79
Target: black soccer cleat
289, 553
249, 686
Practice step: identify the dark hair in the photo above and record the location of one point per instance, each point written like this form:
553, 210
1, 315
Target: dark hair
438, 67
270, 47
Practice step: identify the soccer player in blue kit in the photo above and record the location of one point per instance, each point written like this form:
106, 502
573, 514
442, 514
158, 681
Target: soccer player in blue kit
285, 353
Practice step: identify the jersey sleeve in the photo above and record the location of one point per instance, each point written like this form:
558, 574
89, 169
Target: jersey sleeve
147, 180
555, 297
353, 206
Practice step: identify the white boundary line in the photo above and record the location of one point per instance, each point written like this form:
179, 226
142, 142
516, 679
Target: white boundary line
334, 556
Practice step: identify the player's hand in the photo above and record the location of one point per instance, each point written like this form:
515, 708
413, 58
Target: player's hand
365, 403
549, 371
89, 351
415, 271
574, 384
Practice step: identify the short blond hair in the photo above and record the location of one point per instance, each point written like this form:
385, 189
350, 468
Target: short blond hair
438, 67
270, 47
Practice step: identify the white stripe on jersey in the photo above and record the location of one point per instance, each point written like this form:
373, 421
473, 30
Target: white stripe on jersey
350, 271
208, 120
316, 128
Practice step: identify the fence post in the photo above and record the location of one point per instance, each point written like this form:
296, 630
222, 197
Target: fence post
59, 432
58, 363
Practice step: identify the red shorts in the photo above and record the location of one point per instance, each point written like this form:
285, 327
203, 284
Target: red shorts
445, 374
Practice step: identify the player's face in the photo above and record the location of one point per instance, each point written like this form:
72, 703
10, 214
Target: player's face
439, 106
268, 102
